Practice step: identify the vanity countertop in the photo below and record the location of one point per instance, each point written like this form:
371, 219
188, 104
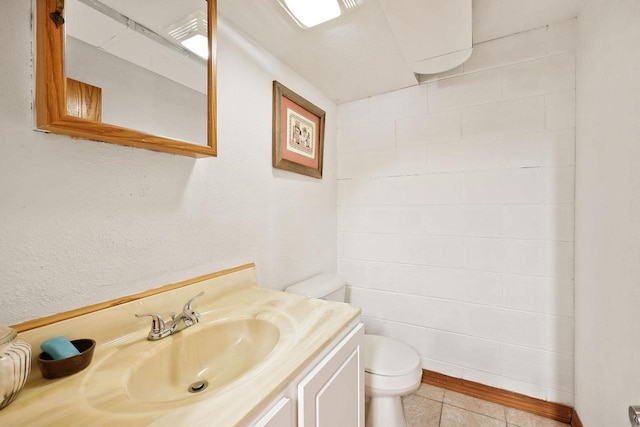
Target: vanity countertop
305, 327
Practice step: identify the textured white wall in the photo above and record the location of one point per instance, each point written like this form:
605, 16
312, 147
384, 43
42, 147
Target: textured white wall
608, 212
83, 222
455, 213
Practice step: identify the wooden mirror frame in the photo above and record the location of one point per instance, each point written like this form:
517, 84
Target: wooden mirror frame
56, 95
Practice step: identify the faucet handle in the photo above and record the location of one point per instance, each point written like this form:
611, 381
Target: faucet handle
157, 323
189, 305
191, 315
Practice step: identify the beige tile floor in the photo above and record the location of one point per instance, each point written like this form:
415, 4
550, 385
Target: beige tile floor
432, 406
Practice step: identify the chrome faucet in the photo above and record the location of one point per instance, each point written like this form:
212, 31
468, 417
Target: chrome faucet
159, 329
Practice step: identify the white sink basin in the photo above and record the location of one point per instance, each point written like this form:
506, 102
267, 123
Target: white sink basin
218, 354
194, 362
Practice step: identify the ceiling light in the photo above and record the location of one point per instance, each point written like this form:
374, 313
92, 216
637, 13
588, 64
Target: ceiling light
308, 13
197, 44
191, 32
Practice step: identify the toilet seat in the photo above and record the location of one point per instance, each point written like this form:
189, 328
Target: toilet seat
391, 367
388, 357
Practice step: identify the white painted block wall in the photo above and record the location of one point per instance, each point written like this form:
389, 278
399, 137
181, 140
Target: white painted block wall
456, 213
608, 212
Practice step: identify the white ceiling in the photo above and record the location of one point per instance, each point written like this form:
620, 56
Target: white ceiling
433, 35
357, 55
348, 58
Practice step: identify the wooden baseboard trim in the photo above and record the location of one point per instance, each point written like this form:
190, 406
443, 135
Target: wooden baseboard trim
554, 411
575, 420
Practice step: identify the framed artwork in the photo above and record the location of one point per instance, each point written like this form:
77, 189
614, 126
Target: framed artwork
298, 133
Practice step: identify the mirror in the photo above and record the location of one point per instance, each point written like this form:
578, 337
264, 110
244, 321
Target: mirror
118, 71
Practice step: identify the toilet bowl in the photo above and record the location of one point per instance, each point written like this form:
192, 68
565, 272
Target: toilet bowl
392, 368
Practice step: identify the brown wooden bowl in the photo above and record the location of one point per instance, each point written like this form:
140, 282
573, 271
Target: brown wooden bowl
64, 367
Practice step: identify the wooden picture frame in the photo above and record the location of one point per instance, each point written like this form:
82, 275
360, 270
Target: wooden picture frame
298, 133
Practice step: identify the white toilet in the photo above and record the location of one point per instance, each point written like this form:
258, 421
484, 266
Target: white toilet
392, 368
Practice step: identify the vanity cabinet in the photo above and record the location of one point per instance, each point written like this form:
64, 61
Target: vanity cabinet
273, 359
280, 415
328, 393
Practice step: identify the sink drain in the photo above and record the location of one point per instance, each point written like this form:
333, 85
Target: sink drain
198, 386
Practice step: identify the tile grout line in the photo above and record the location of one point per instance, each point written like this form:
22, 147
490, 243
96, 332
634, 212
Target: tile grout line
443, 404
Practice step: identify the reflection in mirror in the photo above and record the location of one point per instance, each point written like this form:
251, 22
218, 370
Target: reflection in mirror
128, 73
132, 51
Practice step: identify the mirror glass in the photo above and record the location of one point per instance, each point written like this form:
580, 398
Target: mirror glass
135, 75
144, 57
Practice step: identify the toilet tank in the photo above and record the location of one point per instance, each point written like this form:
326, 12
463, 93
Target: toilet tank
323, 286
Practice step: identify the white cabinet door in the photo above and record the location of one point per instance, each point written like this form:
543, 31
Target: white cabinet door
279, 416
333, 393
